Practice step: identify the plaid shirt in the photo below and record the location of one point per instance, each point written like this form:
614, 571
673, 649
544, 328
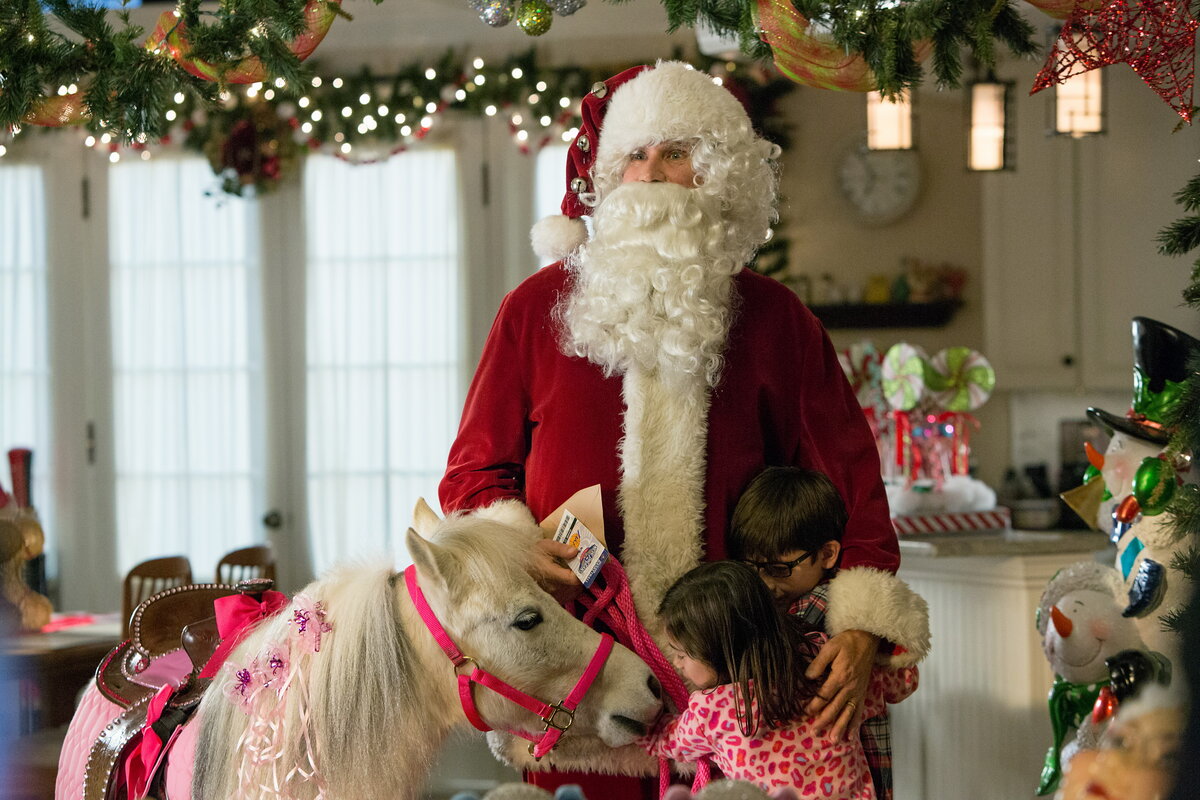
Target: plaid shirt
876, 732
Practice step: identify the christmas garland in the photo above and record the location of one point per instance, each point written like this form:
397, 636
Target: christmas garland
254, 133
128, 78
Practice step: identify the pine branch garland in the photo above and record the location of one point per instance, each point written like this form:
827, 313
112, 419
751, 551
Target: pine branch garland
1183, 513
887, 35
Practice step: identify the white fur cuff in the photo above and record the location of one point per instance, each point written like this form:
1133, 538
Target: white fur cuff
871, 600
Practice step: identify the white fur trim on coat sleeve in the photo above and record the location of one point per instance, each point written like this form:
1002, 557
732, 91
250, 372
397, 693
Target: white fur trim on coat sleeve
871, 600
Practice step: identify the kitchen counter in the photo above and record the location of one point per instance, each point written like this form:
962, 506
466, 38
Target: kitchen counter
979, 725
1002, 543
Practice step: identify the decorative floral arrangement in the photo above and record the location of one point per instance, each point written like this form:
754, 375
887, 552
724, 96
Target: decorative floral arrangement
250, 149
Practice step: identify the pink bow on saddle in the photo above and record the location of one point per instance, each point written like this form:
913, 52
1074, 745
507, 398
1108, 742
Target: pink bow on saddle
237, 615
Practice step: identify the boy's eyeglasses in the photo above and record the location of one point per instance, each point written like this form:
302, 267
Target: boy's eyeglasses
779, 569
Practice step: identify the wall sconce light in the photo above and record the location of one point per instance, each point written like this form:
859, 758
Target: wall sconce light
889, 122
989, 144
1079, 105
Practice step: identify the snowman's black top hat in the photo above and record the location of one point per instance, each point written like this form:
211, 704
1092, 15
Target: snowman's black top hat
1160, 366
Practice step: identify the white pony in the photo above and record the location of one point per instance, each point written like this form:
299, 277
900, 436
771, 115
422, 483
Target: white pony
365, 712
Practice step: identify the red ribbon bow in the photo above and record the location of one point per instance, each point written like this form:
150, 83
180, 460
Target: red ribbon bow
237, 614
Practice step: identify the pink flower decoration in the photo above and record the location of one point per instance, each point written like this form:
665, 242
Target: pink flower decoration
309, 617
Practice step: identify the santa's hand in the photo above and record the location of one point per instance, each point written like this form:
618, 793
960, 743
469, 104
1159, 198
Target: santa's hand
549, 568
848, 658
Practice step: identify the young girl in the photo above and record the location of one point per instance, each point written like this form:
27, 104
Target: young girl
747, 661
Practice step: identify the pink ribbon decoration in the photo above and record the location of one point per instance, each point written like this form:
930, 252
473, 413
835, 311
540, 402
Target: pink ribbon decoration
139, 767
237, 614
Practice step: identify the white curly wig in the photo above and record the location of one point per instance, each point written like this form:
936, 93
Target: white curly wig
734, 166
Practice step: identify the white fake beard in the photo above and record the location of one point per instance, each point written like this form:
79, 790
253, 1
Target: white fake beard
653, 286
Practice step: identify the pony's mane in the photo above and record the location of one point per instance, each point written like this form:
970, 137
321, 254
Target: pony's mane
344, 704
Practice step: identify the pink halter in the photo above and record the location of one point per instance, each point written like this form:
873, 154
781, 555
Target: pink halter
557, 717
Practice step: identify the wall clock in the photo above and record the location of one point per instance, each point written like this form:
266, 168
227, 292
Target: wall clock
881, 185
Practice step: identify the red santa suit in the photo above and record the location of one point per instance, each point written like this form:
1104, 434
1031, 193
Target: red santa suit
539, 425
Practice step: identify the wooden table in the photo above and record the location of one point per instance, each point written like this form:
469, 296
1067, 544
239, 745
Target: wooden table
51, 668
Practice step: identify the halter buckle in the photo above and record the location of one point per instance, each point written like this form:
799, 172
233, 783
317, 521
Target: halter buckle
551, 718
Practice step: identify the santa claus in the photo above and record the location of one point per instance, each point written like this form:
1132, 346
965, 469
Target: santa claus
647, 360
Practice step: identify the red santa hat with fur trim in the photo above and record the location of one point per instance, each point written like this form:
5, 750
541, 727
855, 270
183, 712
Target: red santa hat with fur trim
643, 105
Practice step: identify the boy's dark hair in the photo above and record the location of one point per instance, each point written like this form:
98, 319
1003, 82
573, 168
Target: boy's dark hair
722, 614
785, 509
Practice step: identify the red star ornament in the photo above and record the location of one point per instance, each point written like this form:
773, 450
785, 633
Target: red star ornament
1157, 38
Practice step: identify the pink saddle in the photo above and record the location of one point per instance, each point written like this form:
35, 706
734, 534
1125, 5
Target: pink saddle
172, 636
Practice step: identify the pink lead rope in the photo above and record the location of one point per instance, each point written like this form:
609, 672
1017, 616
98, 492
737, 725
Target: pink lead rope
613, 605
557, 716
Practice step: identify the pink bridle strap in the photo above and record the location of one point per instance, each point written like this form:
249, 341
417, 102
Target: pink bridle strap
557, 716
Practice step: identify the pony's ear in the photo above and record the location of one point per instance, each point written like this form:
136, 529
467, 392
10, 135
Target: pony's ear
425, 519
431, 560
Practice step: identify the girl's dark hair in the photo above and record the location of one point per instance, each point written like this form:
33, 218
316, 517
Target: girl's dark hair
722, 614
784, 509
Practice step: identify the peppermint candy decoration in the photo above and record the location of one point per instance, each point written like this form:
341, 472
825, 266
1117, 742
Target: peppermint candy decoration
860, 363
960, 379
903, 376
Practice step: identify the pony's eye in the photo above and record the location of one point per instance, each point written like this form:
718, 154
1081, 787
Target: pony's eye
528, 620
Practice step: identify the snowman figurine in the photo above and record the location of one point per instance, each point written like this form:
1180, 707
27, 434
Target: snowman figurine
1140, 475
1081, 625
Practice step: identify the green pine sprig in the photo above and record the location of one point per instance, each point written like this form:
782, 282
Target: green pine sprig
887, 36
1183, 513
126, 85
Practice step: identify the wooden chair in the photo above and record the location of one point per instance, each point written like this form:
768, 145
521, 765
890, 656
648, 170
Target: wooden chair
149, 578
246, 563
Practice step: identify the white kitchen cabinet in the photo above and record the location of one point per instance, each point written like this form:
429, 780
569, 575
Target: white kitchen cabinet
1070, 239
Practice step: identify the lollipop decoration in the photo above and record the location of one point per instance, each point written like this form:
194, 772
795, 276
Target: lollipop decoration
861, 365
957, 380
960, 379
902, 377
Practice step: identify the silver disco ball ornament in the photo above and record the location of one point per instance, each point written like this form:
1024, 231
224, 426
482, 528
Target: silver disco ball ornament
496, 13
565, 8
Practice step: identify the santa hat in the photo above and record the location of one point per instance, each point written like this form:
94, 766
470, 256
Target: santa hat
670, 101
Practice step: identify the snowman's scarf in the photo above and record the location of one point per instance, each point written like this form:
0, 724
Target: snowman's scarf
1069, 704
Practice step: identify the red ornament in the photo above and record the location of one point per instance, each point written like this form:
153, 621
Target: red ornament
1105, 706
1127, 509
1156, 38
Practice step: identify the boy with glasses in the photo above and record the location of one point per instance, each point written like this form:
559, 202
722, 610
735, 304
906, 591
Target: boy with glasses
788, 525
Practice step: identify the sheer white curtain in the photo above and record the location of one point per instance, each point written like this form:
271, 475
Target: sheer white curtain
549, 181
186, 349
24, 358
384, 301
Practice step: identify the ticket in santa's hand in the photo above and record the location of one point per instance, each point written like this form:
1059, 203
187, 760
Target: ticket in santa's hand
592, 554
